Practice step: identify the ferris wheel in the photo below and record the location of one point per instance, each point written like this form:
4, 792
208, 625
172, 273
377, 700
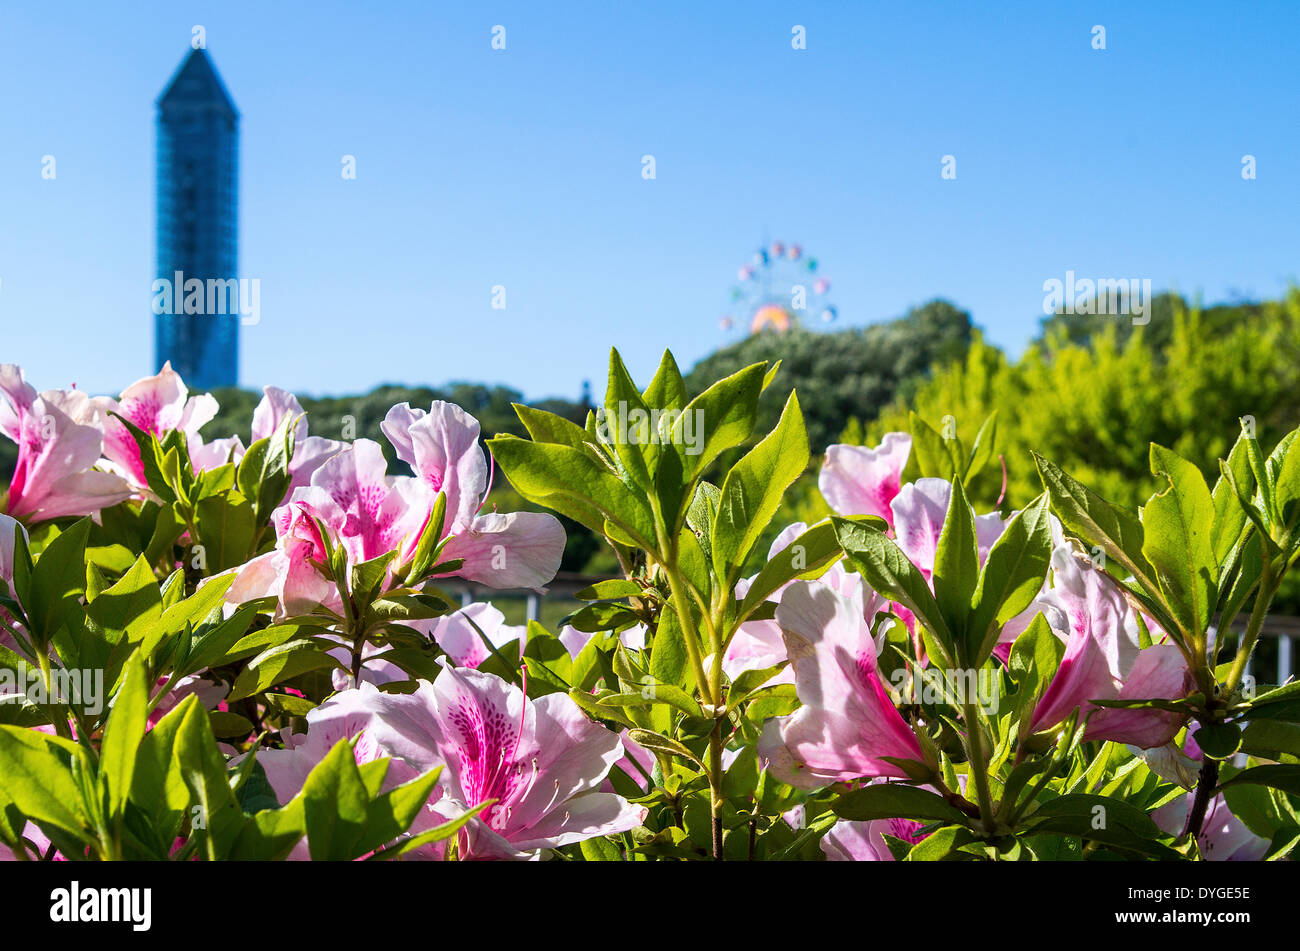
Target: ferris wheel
778, 287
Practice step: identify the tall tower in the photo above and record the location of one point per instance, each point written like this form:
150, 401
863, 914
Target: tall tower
198, 223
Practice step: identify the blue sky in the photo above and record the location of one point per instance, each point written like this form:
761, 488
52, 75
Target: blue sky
522, 168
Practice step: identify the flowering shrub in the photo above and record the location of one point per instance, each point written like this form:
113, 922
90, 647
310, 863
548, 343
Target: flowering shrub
212, 651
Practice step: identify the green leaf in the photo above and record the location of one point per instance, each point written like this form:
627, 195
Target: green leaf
1229, 516
1013, 575
1082, 512
369, 576
886, 569
132, 601
263, 474
669, 658
896, 801
336, 806
436, 834
749, 681
753, 489
390, 814
58, 582
943, 845
956, 565
982, 451
610, 590
122, 734
1283, 776
657, 742
1270, 738
626, 419
280, 663
204, 603
547, 427
932, 456
38, 779
722, 417
151, 458
158, 787
203, 770
226, 526
1176, 523
806, 556
1105, 819
574, 484
1035, 657
1219, 740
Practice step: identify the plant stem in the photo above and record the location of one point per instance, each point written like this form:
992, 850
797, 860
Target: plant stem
975, 751
1263, 598
1209, 778
710, 687
715, 787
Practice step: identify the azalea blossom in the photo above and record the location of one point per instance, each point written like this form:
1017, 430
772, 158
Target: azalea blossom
851, 840
294, 572
574, 640
847, 727
458, 633
1223, 838
347, 715
158, 405
920, 508
1102, 660
363, 509
309, 452
519, 550
60, 437
760, 644
9, 529
856, 480
637, 762
540, 761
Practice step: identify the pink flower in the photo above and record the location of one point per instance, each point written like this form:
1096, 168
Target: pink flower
309, 452
369, 513
856, 480
158, 405
574, 640
1223, 838
9, 529
345, 715
458, 633
848, 725
363, 509
519, 550
851, 840
294, 573
759, 644
60, 436
210, 696
541, 760
1103, 661
919, 511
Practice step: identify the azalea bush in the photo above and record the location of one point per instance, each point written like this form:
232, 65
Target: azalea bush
212, 650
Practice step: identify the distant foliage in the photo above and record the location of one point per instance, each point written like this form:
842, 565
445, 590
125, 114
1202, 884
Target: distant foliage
1093, 403
854, 372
